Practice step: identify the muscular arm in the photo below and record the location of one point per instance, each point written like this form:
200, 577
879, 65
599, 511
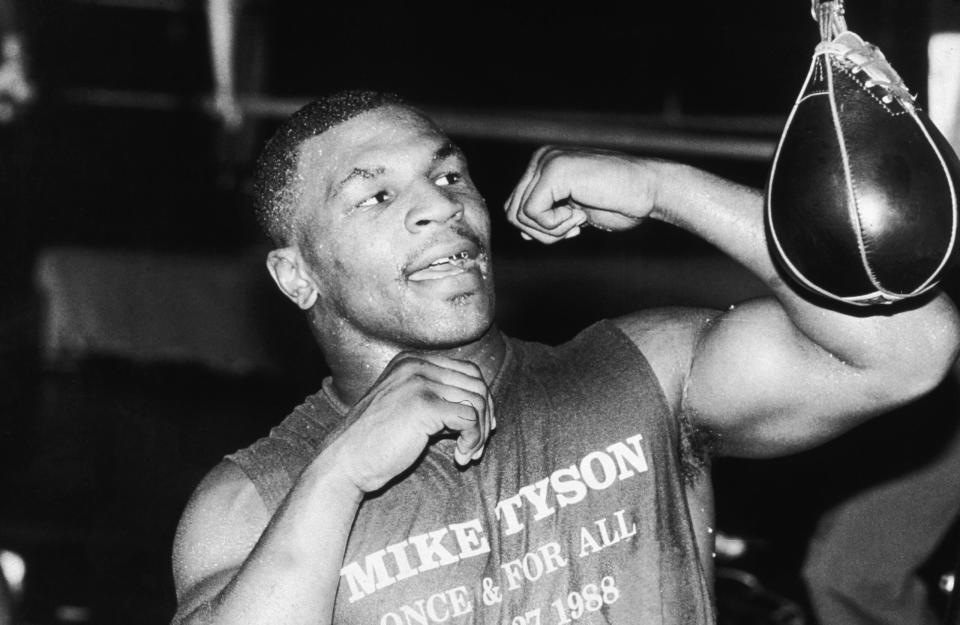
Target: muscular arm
772, 375
234, 563
777, 374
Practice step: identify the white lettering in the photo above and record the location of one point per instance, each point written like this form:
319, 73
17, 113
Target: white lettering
374, 571
363, 581
532, 567
432, 554
460, 601
598, 470
470, 538
608, 469
551, 557
624, 454
437, 608
416, 613
569, 489
588, 544
624, 532
432, 611
537, 495
513, 572
533, 564
507, 514
604, 536
399, 553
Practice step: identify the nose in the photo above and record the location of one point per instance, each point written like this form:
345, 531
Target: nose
431, 206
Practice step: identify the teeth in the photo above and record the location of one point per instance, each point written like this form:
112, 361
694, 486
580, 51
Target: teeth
450, 259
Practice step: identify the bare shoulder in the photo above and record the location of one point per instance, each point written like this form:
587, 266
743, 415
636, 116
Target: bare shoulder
218, 529
668, 338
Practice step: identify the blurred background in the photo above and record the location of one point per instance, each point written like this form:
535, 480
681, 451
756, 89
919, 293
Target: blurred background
141, 339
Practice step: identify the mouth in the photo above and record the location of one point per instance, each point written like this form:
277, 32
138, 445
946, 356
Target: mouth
465, 258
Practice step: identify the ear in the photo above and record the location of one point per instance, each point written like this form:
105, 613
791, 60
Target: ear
289, 271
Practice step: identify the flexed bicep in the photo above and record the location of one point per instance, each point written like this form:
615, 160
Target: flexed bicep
768, 390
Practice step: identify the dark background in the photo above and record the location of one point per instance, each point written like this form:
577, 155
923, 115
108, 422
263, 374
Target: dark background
98, 452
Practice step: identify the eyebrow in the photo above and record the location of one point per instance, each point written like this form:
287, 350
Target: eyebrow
358, 172
447, 150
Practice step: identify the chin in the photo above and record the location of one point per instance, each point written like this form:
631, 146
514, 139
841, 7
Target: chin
467, 322
445, 337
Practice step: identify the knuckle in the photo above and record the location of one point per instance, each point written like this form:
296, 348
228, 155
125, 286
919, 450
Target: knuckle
474, 368
552, 163
405, 357
553, 152
473, 403
408, 364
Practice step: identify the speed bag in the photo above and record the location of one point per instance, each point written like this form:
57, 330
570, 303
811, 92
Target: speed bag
861, 200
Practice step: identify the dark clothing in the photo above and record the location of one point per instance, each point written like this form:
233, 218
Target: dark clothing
577, 510
864, 562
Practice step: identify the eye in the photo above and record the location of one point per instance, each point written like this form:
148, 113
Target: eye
378, 198
448, 179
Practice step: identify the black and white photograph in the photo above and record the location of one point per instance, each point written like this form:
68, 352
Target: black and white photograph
393, 313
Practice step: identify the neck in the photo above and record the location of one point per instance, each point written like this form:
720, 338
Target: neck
356, 365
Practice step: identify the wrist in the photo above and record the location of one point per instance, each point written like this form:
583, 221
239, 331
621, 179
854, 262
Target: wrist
669, 182
329, 474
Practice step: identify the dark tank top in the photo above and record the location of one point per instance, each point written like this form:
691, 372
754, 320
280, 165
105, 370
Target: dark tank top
576, 513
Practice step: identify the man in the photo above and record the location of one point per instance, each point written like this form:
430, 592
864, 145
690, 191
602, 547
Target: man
388, 497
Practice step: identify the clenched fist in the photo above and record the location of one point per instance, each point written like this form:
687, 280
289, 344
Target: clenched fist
416, 397
564, 189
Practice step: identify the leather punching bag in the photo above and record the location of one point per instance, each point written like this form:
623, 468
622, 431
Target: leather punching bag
861, 202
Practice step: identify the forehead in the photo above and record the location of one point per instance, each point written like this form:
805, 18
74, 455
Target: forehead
377, 138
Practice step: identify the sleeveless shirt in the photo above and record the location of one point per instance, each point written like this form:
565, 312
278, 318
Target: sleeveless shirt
576, 513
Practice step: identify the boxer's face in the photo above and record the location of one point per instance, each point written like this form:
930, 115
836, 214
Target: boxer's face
394, 232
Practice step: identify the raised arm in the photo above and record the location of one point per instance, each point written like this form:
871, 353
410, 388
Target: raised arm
235, 563
772, 375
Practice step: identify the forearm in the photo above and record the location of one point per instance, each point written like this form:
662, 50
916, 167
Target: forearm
730, 217
291, 575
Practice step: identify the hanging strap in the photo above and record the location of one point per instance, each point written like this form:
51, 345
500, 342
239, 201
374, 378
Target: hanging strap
865, 57
829, 15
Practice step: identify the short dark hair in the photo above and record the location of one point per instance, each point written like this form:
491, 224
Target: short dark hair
274, 193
